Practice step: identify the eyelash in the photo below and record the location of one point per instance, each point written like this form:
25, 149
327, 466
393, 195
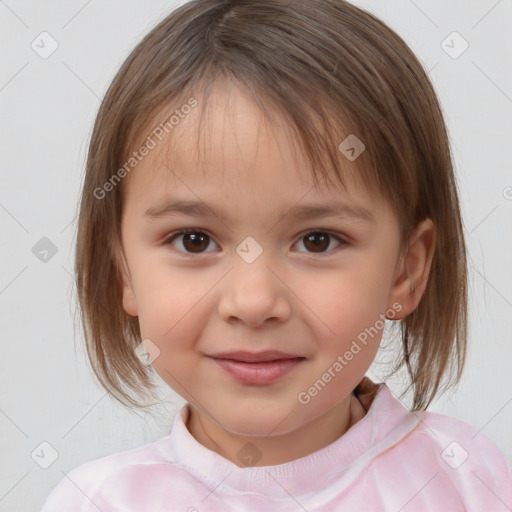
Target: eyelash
176, 234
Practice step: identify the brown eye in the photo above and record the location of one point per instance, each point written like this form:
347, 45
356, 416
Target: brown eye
193, 242
319, 241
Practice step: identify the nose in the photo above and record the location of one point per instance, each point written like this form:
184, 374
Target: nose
254, 293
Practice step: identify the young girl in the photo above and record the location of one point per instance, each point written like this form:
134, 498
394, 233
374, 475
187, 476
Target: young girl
267, 184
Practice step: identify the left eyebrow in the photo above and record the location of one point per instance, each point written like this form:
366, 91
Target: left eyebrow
333, 210
201, 209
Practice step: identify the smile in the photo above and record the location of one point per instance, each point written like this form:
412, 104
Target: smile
258, 373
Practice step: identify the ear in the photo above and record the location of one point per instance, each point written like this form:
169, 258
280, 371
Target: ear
127, 290
413, 269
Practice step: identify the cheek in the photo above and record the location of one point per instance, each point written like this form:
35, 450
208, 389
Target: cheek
350, 299
347, 308
157, 292
172, 307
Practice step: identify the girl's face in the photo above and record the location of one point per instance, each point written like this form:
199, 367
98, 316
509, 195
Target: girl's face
253, 276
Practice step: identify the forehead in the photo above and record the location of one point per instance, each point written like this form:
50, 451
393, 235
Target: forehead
231, 149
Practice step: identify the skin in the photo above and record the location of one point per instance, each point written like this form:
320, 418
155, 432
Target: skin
291, 298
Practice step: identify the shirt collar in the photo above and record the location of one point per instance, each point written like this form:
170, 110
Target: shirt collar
386, 422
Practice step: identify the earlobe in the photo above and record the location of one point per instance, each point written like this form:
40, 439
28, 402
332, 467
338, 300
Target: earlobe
414, 269
128, 293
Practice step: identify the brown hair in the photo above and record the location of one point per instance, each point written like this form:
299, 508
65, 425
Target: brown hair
323, 65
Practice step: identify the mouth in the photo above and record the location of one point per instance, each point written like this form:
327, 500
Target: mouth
255, 357
259, 371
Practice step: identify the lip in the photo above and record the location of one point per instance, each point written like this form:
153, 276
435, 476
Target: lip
258, 373
254, 357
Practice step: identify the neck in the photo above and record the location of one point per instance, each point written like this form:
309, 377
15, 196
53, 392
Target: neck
277, 449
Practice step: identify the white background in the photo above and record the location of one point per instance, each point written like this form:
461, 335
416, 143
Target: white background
47, 109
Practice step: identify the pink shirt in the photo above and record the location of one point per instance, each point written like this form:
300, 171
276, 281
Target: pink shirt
391, 460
